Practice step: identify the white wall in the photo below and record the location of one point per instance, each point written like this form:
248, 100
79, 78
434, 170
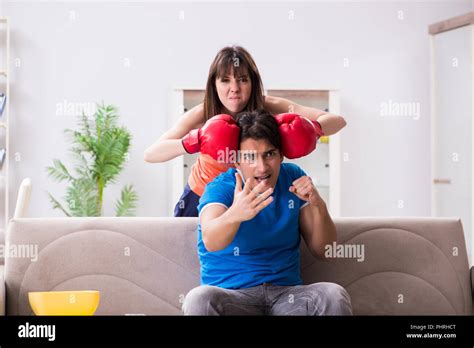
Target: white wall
75, 52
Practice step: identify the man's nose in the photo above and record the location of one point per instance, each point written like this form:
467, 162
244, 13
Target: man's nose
261, 164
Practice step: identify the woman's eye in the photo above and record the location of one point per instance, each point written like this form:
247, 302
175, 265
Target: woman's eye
270, 154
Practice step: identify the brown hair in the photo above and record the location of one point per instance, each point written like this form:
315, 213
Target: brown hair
241, 61
259, 124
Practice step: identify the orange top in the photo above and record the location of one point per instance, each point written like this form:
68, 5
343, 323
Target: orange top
203, 171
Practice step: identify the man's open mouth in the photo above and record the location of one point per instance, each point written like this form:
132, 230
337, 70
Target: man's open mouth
263, 178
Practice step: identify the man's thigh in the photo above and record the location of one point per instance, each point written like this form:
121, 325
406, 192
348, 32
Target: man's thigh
314, 299
212, 300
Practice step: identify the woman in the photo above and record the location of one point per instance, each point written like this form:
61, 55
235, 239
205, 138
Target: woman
233, 85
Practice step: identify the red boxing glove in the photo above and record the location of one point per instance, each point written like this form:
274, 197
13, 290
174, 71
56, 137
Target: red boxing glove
298, 134
218, 138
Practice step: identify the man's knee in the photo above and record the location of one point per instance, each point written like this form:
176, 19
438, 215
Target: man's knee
202, 300
336, 299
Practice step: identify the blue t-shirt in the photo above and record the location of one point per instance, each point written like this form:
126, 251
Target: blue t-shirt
266, 248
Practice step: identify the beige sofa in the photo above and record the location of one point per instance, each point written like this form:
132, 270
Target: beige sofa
147, 265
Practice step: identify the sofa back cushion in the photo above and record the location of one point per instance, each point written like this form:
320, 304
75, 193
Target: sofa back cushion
140, 265
410, 266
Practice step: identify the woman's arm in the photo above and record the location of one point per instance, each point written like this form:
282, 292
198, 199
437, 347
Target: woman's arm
169, 145
330, 123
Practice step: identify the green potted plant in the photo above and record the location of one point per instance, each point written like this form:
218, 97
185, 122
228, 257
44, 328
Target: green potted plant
100, 148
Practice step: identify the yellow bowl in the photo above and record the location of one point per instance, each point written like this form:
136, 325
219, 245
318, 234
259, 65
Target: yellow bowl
64, 302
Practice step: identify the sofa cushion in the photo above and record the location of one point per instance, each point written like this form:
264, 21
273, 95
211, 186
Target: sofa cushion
410, 266
140, 265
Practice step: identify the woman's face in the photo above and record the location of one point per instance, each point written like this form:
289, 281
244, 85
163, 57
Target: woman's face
234, 92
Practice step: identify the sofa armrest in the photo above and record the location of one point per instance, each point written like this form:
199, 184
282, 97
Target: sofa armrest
2, 290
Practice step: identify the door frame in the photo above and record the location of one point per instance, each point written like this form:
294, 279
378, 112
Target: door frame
434, 128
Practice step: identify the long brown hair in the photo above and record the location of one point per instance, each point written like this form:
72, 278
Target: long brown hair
241, 62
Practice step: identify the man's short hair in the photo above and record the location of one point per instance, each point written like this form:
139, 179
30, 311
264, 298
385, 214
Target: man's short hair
259, 125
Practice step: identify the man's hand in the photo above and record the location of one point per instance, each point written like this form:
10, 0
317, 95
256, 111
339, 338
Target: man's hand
249, 202
304, 189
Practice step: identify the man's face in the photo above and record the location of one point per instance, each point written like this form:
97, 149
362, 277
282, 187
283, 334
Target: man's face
259, 160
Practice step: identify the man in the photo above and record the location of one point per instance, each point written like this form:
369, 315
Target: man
249, 234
